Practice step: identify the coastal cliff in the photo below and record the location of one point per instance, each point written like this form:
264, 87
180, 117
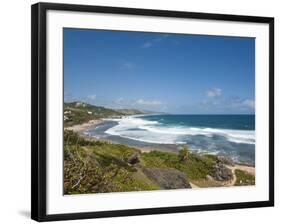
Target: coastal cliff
92, 166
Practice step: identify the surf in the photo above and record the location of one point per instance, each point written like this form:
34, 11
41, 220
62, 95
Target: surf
140, 129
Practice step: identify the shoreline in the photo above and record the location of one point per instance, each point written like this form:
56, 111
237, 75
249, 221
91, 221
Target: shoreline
81, 128
209, 181
155, 153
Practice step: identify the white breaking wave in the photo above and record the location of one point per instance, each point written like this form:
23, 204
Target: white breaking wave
154, 132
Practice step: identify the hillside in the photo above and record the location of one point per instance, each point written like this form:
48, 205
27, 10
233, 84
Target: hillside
129, 111
80, 112
95, 167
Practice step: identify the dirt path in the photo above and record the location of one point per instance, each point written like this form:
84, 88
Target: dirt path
248, 169
193, 185
233, 181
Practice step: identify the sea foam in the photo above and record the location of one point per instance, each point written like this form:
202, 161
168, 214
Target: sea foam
139, 129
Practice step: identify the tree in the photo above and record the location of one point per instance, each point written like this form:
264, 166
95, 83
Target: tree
183, 154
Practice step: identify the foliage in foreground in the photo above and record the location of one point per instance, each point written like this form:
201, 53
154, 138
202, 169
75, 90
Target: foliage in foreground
91, 167
196, 166
98, 166
244, 178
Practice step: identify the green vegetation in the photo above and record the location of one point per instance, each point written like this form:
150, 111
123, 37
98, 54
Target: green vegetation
183, 154
244, 178
92, 166
79, 112
196, 167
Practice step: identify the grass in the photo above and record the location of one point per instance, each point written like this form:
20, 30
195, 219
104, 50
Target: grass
97, 167
196, 166
93, 166
244, 178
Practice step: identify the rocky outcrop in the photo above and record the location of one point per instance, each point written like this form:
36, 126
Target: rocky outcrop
133, 159
221, 173
167, 178
226, 160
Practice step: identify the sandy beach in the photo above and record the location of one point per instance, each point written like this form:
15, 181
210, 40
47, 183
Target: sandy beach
80, 128
248, 169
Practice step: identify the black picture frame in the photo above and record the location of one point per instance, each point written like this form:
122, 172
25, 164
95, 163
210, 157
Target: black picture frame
38, 108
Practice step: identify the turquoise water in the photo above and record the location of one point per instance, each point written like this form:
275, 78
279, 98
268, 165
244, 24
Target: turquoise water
231, 135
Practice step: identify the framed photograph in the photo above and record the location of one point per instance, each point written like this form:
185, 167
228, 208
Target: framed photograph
139, 111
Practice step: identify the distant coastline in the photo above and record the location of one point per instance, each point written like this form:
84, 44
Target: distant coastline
202, 169
171, 132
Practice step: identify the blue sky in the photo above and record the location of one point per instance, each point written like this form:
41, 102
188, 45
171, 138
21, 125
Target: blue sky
174, 73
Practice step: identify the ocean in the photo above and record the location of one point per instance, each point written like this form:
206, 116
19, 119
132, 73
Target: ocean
228, 135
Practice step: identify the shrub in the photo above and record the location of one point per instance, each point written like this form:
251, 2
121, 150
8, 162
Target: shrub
244, 178
183, 154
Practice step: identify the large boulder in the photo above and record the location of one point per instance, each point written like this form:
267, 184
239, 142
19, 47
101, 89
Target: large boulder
133, 159
221, 173
167, 178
